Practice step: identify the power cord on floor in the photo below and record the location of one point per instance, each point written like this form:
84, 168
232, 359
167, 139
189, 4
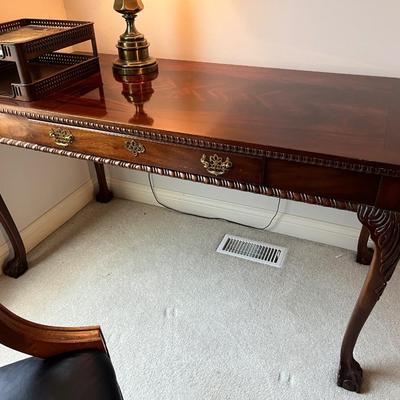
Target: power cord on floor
151, 183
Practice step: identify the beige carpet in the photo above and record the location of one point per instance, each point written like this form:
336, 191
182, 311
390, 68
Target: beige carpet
183, 322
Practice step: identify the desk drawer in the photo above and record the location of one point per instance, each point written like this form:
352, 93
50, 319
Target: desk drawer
321, 181
211, 163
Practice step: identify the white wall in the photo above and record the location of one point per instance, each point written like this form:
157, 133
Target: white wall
32, 183
358, 36
32, 9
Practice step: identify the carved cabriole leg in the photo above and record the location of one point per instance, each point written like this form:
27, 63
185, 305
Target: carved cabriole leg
105, 195
384, 227
18, 265
364, 253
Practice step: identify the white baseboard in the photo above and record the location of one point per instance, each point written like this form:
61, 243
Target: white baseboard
49, 222
305, 228
292, 225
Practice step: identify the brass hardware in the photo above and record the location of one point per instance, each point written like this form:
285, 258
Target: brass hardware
133, 48
62, 137
134, 147
215, 165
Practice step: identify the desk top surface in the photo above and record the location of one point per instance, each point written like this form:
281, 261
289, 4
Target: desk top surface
343, 116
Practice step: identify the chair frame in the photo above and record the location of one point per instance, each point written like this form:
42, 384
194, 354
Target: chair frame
46, 341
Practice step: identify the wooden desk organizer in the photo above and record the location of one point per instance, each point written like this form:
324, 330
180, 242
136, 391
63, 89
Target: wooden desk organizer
31, 67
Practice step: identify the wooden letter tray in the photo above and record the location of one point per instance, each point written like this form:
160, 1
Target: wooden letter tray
31, 67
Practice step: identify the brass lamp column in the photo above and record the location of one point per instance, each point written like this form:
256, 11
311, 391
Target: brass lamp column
133, 48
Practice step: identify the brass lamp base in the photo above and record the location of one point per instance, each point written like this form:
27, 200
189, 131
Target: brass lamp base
133, 48
129, 68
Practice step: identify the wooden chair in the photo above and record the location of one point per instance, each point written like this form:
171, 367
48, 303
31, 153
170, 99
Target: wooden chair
67, 363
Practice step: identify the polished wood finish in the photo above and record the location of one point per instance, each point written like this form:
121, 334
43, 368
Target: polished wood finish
18, 265
331, 115
174, 156
46, 341
322, 181
318, 138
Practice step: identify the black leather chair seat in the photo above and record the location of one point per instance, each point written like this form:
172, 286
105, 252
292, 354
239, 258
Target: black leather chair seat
87, 375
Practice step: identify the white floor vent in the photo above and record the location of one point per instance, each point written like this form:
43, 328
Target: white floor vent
263, 253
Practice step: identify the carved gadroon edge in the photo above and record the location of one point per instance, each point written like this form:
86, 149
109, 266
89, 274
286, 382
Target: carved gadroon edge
259, 189
384, 227
167, 137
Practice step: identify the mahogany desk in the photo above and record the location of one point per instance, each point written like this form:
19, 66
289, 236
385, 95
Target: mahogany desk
326, 139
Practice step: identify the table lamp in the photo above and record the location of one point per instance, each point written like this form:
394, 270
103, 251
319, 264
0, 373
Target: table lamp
133, 48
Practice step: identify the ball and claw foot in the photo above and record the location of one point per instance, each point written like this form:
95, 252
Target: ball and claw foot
350, 377
366, 257
15, 268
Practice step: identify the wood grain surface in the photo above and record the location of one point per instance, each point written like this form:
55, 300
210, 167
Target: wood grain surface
346, 117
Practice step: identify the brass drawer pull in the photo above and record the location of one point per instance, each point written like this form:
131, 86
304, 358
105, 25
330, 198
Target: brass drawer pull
62, 137
215, 165
134, 147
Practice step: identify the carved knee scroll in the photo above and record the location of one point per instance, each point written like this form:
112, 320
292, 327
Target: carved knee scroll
384, 227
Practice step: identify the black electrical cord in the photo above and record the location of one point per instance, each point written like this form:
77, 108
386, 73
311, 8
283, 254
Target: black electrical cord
211, 218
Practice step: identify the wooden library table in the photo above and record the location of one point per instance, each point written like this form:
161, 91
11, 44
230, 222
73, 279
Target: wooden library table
319, 138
